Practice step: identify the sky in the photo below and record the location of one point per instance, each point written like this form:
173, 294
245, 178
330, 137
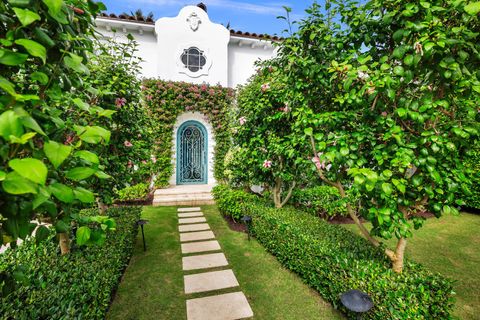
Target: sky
244, 15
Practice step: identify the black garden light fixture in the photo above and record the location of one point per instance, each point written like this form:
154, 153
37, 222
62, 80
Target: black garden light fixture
357, 301
248, 221
141, 223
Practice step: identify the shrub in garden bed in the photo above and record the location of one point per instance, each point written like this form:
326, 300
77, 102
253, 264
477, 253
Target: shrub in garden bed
136, 192
230, 201
333, 260
324, 201
75, 286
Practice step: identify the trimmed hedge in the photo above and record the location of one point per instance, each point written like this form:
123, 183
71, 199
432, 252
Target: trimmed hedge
76, 286
323, 201
232, 200
333, 260
472, 162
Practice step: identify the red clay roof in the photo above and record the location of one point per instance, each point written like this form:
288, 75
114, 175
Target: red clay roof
129, 18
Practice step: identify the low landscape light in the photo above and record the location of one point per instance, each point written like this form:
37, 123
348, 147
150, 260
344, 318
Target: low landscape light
357, 301
141, 223
247, 220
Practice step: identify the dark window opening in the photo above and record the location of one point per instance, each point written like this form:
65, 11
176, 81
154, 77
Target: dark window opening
193, 59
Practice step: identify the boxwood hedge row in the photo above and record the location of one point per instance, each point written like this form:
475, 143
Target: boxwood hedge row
76, 286
333, 260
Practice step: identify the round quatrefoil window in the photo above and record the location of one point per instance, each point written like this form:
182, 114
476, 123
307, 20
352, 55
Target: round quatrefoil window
193, 59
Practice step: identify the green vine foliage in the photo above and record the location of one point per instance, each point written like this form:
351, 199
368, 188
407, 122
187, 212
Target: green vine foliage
47, 132
472, 163
129, 158
165, 101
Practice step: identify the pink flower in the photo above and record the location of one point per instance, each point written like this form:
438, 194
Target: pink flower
120, 102
242, 121
265, 87
319, 164
154, 159
285, 109
203, 87
267, 164
144, 161
149, 97
129, 164
384, 114
127, 144
418, 48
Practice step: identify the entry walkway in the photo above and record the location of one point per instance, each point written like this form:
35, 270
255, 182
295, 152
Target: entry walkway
206, 270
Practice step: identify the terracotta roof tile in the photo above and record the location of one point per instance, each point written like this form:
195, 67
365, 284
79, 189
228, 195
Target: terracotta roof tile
129, 18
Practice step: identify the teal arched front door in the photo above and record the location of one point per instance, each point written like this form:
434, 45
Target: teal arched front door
192, 159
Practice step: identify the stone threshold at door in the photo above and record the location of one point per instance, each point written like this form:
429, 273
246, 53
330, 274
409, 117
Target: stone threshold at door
202, 252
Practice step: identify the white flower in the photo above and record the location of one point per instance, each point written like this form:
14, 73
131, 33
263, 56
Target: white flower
363, 75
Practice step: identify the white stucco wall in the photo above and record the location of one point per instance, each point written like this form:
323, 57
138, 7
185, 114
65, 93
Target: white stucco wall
143, 34
242, 55
195, 116
176, 34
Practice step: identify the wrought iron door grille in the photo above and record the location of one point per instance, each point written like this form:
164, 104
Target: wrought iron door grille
192, 153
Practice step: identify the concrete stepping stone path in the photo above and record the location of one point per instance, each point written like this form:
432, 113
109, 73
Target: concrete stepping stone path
204, 246
195, 236
190, 214
191, 220
204, 261
194, 227
209, 281
227, 306
189, 209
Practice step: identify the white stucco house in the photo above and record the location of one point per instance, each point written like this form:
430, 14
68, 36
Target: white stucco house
191, 48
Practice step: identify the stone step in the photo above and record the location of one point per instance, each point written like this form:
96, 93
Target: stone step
191, 209
228, 306
197, 247
190, 214
196, 236
185, 189
209, 281
204, 261
183, 201
193, 227
191, 220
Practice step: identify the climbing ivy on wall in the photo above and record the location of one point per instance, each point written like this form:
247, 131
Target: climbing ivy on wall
165, 101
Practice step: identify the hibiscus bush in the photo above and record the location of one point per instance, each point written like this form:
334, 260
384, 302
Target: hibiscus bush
165, 101
384, 95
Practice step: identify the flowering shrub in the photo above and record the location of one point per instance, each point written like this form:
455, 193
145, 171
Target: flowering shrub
165, 101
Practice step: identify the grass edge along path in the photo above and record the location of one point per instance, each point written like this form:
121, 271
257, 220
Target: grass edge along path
450, 246
152, 287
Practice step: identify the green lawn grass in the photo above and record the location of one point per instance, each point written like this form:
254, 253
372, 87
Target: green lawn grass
451, 246
152, 287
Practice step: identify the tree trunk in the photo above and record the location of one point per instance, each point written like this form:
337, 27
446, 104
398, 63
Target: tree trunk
64, 243
277, 193
397, 257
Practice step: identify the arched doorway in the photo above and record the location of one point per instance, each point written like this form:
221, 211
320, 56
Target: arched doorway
192, 149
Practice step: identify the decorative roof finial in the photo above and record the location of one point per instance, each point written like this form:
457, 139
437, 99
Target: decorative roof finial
202, 6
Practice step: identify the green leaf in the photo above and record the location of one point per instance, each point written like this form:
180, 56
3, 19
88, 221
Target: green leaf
402, 113
56, 152
33, 48
61, 226
7, 86
31, 123
344, 151
94, 134
16, 184
387, 188
31, 169
74, 63
24, 138
62, 192
54, 6
308, 131
26, 16
102, 175
3, 174
473, 8
41, 233
10, 58
84, 195
87, 156
81, 104
359, 179
83, 235
80, 173
40, 77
